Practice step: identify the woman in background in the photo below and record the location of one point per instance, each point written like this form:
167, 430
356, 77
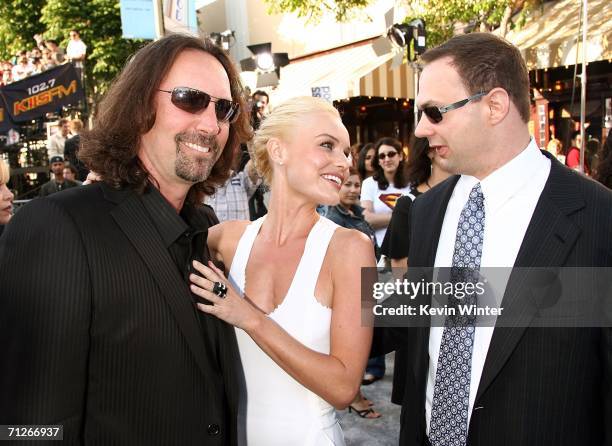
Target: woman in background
555, 147
379, 194
354, 151
424, 172
364, 164
604, 168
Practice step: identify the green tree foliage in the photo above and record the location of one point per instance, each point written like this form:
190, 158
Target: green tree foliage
99, 25
315, 9
443, 18
449, 17
19, 21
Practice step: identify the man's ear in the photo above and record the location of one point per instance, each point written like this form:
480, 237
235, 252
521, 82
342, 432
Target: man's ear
498, 100
276, 151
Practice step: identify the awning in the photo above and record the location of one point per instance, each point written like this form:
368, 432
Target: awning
387, 82
551, 38
336, 73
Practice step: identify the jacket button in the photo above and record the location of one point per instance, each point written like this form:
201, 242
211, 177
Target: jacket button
213, 429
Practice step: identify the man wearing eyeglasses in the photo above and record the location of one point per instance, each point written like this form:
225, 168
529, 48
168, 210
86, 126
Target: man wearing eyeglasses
510, 382
107, 342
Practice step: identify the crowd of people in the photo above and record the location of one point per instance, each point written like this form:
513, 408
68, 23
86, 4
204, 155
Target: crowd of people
44, 55
177, 329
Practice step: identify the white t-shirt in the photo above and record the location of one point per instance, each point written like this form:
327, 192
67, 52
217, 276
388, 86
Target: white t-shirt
75, 49
20, 72
383, 201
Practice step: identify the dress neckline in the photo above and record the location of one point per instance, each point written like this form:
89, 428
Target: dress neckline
258, 224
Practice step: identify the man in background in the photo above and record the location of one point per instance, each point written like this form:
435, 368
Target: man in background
59, 182
57, 141
76, 51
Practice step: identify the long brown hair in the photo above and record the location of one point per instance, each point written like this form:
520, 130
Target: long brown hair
418, 167
604, 169
399, 179
127, 112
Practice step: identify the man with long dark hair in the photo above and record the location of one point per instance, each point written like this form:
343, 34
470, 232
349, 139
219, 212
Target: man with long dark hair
107, 342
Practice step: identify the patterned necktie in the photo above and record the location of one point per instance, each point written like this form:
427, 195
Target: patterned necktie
449, 411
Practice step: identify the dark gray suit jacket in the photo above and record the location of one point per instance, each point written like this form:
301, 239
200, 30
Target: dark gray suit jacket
50, 187
99, 332
539, 386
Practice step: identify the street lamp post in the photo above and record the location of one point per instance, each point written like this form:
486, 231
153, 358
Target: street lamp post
412, 36
583, 82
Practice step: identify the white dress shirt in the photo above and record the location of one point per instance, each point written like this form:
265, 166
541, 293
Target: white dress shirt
56, 144
510, 197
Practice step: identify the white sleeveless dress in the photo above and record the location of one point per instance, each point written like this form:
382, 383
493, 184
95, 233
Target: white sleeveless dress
279, 410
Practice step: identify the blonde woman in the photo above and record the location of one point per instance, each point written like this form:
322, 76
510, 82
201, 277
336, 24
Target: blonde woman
6, 196
293, 284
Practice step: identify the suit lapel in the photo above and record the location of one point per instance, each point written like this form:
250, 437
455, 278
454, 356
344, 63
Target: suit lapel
132, 218
548, 241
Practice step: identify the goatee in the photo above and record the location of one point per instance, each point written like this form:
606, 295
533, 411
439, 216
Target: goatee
191, 167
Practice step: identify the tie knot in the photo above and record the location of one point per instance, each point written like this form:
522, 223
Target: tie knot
476, 194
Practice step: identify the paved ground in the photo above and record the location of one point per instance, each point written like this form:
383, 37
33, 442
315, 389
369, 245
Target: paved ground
383, 431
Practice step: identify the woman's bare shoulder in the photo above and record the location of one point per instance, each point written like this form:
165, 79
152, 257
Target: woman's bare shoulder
350, 247
228, 229
225, 235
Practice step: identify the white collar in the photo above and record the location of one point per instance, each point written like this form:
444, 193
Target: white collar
508, 180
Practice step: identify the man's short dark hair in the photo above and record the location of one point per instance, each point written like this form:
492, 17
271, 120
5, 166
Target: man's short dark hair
261, 93
127, 112
485, 61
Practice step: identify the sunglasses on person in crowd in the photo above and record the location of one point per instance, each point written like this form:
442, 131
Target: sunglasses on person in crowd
435, 114
194, 101
390, 155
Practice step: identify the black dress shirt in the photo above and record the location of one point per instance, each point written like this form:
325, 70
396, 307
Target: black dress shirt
184, 234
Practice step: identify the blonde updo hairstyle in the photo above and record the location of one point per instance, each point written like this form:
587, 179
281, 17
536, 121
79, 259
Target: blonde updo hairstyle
280, 123
4, 172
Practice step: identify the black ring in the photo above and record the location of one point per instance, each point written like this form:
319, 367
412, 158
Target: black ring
220, 289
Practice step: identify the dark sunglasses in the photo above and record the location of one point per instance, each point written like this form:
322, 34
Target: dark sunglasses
194, 101
435, 113
390, 155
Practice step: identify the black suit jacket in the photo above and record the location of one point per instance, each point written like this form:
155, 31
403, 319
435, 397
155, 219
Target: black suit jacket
99, 332
539, 386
